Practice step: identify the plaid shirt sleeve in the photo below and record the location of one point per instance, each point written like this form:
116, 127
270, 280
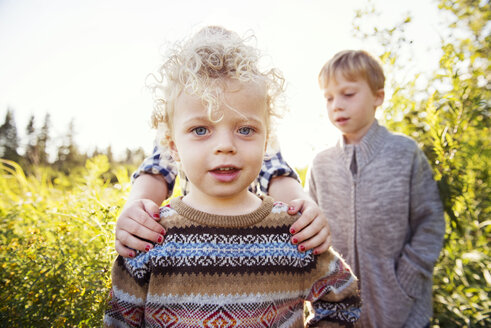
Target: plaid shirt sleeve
274, 166
162, 163
159, 163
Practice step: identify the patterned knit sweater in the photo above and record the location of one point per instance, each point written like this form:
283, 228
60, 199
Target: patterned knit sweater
230, 271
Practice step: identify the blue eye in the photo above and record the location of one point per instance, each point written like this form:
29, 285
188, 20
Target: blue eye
245, 130
200, 131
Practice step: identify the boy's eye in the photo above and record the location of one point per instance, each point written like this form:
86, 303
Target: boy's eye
349, 94
245, 130
200, 131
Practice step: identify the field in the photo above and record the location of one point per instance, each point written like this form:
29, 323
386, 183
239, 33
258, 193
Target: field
57, 247
57, 244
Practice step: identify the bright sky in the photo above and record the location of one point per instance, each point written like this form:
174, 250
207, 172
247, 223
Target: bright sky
88, 60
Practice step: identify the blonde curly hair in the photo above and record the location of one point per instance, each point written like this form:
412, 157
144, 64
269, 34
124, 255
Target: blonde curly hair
201, 66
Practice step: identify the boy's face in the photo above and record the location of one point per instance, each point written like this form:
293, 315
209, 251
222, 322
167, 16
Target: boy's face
351, 106
221, 159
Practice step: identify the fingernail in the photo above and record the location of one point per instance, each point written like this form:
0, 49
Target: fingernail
292, 231
294, 240
156, 215
131, 254
147, 248
302, 248
291, 208
162, 232
160, 239
316, 252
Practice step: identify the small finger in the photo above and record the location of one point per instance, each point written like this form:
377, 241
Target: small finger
147, 222
124, 251
317, 241
303, 221
294, 206
324, 247
152, 209
308, 232
129, 241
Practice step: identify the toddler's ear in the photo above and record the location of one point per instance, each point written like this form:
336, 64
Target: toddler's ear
173, 149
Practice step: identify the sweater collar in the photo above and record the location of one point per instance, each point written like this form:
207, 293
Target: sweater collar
223, 221
369, 145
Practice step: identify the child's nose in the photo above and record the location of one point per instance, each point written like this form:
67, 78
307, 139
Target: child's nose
225, 143
337, 104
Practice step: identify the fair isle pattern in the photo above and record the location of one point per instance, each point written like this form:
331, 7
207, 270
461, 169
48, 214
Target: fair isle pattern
222, 250
347, 311
339, 277
223, 311
337, 280
279, 207
126, 312
166, 211
182, 279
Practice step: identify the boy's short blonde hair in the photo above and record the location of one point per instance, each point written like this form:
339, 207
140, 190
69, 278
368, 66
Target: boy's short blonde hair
353, 65
201, 66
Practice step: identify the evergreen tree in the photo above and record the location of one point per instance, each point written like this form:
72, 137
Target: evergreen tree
128, 156
134, 157
9, 140
32, 152
68, 155
109, 154
43, 139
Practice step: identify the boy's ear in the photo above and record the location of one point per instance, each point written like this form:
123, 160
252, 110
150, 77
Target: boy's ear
173, 149
379, 97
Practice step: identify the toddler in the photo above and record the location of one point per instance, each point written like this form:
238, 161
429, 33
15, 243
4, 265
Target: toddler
227, 260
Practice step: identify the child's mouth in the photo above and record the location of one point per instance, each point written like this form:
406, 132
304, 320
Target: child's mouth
342, 120
225, 174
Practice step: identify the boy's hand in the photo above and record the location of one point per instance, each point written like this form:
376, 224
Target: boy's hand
139, 219
311, 230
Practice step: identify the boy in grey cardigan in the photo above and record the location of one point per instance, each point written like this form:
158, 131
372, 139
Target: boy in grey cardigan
378, 192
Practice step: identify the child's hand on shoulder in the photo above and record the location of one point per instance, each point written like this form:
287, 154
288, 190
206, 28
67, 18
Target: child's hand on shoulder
311, 230
137, 223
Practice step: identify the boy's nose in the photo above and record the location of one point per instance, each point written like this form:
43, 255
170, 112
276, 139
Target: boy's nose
337, 105
225, 143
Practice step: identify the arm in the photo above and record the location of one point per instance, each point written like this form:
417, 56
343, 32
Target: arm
427, 224
126, 303
335, 297
152, 183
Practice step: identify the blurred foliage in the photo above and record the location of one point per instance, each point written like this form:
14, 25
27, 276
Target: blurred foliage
448, 113
56, 229
56, 243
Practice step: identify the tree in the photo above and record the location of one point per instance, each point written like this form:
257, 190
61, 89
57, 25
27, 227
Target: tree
43, 139
68, 154
449, 116
134, 157
109, 154
9, 141
32, 152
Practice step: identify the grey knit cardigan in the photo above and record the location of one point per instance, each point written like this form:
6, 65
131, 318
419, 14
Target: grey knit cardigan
386, 220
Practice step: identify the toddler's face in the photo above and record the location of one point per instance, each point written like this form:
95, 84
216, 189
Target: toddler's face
221, 159
351, 106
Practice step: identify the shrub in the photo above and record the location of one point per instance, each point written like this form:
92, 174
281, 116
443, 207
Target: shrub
56, 244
